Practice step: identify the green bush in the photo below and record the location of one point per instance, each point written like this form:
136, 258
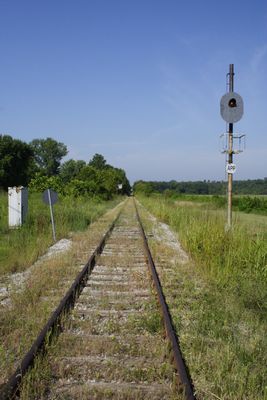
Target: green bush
219, 201
250, 204
42, 182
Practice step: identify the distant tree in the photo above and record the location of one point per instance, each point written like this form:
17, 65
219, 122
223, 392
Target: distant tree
98, 162
143, 187
16, 162
48, 154
108, 181
250, 186
70, 169
77, 187
121, 179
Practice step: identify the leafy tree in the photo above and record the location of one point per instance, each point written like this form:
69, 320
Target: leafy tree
77, 187
143, 187
98, 162
71, 169
110, 177
121, 179
48, 154
99, 179
96, 179
16, 162
87, 173
107, 182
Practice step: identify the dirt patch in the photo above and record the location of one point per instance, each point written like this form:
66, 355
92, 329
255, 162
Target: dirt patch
163, 234
17, 281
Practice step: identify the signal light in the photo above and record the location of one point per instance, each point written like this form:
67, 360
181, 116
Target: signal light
232, 103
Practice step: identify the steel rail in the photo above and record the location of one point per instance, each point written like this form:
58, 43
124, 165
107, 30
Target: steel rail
10, 390
183, 378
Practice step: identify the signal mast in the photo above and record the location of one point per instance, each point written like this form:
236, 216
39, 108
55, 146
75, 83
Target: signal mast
232, 109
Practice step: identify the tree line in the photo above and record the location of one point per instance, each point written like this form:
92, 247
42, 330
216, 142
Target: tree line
241, 187
38, 165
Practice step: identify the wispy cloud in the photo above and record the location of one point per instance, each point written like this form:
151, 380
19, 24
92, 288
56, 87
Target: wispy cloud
258, 57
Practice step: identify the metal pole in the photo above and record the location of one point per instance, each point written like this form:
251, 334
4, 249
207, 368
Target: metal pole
52, 216
230, 153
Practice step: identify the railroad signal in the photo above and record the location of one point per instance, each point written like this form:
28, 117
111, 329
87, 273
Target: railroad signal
232, 109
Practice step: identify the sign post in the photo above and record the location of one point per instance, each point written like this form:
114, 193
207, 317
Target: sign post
50, 197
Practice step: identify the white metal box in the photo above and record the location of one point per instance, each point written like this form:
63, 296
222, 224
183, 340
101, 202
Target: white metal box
17, 205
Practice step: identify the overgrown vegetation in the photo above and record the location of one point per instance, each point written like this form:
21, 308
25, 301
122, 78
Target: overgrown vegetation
20, 247
83, 188
225, 255
38, 164
223, 297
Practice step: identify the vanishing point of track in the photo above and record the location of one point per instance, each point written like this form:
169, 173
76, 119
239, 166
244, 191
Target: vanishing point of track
111, 346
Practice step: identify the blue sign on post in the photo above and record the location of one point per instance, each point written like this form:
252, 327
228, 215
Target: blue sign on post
53, 196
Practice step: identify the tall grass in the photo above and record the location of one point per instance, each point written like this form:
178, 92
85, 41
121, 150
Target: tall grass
236, 258
225, 335
248, 204
20, 247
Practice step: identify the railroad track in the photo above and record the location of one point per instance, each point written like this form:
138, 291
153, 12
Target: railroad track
118, 341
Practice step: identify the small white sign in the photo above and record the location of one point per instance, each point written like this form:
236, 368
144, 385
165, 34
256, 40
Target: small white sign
230, 168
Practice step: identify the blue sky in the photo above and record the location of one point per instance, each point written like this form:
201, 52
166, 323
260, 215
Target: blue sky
137, 81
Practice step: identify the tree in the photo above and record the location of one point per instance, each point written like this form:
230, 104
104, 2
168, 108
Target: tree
16, 162
98, 162
121, 179
70, 169
87, 173
48, 154
143, 187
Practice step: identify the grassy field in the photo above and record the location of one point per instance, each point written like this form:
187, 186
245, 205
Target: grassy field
19, 248
221, 307
256, 204
253, 223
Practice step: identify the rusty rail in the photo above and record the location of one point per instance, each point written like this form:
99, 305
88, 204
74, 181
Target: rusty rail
10, 390
183, 378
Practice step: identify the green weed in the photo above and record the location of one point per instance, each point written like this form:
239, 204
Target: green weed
19, 248
220, 310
